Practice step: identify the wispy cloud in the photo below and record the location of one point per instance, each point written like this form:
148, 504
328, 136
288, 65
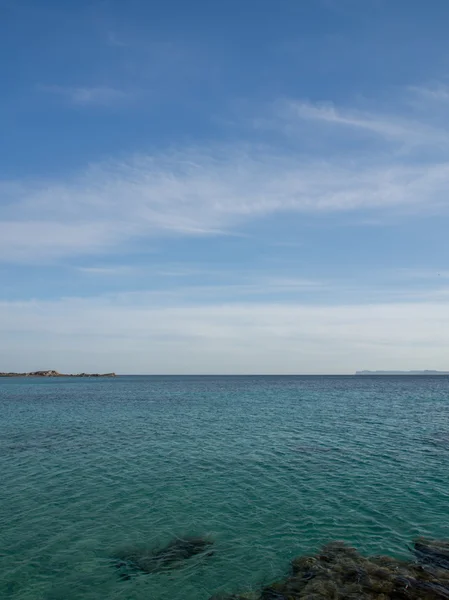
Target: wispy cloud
89, 96
113, 271
115, 40
197, 285
437, 92
387, 126
221, 283
213, 190
193, 194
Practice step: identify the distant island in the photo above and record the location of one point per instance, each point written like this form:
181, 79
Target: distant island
427, 372
56, 374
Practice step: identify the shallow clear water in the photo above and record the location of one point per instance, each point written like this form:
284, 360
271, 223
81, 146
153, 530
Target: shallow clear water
270, 467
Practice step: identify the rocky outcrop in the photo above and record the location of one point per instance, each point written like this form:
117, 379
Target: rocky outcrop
52, 373
340, 572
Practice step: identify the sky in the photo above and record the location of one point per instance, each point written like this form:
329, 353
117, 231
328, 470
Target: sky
224, 187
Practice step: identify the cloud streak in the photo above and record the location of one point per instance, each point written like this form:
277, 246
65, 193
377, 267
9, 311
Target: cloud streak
435, 93
149, 196
84, 96
213, 190
385, 126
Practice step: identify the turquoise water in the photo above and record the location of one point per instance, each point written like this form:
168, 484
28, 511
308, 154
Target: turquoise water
269, 467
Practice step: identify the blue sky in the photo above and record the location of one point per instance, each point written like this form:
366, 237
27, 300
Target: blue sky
224, 187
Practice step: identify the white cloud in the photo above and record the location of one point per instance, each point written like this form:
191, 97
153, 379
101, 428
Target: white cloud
89, 96
132, 334
115, 40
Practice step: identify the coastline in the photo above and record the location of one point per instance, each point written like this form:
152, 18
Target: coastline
52, 373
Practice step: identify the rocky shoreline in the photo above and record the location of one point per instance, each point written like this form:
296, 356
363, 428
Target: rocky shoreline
56, 374
339, 572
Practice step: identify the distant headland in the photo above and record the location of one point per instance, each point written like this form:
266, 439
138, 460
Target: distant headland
56, 374
427, 372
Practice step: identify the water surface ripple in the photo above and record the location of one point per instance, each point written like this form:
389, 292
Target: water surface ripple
269, 467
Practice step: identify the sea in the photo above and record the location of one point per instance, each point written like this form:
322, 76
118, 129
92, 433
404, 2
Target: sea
266, 467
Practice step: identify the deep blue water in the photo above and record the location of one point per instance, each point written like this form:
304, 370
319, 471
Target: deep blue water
269, 467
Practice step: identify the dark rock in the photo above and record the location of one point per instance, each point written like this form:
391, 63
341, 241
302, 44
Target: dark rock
169, 557
224, 597
338, 571
245, 596
432, 552
272, 594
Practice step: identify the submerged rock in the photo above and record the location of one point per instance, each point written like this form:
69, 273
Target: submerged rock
245, 596
339, 572
171, 556
432, 552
